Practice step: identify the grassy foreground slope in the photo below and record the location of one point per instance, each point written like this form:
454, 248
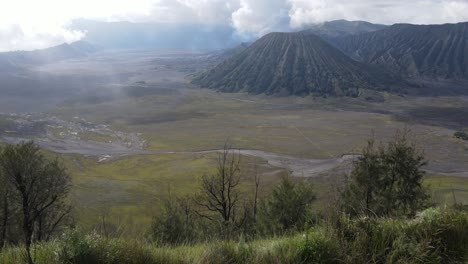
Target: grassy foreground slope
435, 236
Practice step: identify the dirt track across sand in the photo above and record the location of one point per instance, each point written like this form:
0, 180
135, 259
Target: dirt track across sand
299, 167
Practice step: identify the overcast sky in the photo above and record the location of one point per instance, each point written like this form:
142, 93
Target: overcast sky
32, 24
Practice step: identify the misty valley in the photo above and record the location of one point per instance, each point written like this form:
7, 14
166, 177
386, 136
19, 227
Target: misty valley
141, 130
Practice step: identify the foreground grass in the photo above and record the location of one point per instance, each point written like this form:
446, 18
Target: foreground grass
434, 236
95, 249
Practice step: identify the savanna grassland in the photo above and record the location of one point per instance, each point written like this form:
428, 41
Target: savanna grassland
302, 127
150, 95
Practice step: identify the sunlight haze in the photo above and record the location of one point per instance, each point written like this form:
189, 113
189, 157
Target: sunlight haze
31, 24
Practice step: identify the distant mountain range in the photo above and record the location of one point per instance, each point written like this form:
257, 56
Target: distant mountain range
17, 59
434, 51
292, 64
333, 58
341, 28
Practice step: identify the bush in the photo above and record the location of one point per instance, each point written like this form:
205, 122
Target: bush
229, 253
317, 246
78, 248
287, 208
448, 230
461, 135
176, 224
434, 236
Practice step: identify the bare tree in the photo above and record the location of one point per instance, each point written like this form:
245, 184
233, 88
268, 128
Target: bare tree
220, 194
52, 220
37, 183
257, 187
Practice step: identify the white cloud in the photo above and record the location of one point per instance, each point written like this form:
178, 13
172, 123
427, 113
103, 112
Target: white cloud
33, 24
304, 12
30, 24
28, 37
205, 12
261, 17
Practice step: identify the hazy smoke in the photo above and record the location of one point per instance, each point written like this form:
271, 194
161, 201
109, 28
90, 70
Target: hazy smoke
260, 17
28, 24
21, 37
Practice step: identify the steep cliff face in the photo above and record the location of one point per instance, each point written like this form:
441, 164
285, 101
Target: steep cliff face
439, 51
292, 64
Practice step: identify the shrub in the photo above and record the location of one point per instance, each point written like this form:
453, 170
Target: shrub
176, 224
229, 253
78, 248
461, 135
287, 207
434, 236
317, 246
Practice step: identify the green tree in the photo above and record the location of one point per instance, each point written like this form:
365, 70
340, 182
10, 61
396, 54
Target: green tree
287, 206
402, 185
386, 180
37, 185
176, 224
361, 194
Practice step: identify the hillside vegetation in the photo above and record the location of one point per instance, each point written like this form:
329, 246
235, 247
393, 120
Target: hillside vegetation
380, 214
434, 236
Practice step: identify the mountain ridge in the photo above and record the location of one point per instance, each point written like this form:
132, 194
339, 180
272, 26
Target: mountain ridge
437, 51
13, 60
330, 30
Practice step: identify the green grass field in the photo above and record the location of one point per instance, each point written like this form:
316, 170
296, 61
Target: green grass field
309, 127
127, 191
448, 190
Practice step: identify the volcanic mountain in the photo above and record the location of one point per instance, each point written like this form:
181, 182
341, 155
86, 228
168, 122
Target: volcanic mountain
438, 51
292, 64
